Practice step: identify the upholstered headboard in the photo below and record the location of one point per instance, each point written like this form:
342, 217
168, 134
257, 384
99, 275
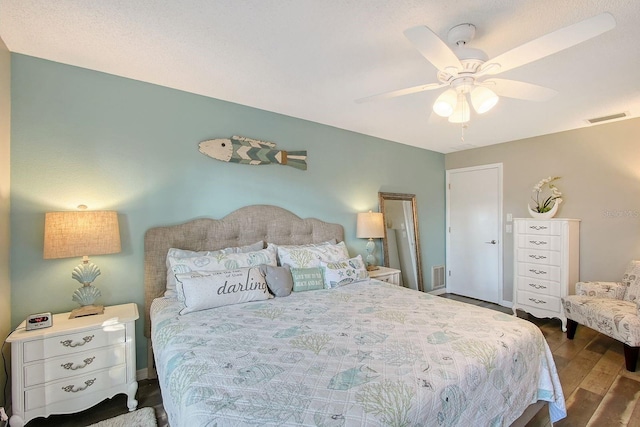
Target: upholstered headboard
242, 227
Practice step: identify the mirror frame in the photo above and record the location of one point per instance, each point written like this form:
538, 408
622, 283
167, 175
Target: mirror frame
403, 197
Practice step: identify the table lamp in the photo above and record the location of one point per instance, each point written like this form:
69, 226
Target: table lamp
370, 226
82, 233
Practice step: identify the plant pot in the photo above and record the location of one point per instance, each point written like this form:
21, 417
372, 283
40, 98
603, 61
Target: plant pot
545, 215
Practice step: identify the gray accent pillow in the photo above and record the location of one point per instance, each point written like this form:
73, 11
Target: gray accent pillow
279, 279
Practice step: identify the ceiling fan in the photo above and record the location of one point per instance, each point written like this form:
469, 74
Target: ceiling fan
467, 71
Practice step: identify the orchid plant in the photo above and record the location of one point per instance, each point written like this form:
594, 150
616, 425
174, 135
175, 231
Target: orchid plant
544, 204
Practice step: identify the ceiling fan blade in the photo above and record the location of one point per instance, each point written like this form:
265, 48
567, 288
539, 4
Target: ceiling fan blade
432, 47
519, 90
401, 92
550, 43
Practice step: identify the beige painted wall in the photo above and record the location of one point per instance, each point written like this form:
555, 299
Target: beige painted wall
600, 170
5, 136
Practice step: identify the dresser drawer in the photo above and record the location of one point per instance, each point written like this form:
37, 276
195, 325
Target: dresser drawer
75, 389
72, 343
543, 228
545, 243
539, 257
545, 302
79, 363
541, 272
538, 286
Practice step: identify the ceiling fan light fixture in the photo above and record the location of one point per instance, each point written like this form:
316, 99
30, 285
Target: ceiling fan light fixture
446, 103
483, 99
461, 113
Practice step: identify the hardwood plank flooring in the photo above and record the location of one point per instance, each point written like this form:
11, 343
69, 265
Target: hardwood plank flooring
598, 390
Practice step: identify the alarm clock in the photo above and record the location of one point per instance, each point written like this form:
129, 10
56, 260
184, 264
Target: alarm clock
39, 321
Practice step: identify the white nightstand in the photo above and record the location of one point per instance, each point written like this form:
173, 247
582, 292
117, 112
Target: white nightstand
74, 364
386, 274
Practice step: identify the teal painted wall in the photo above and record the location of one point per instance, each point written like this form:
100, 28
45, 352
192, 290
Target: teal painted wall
84, 137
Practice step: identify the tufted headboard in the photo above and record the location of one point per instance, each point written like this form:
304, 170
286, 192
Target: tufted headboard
242, 227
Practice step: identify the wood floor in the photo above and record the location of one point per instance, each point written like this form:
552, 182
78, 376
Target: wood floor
598, 390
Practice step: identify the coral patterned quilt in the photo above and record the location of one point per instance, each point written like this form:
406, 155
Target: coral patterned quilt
366, 354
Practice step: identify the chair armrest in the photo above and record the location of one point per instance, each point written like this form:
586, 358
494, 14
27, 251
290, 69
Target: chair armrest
611, 290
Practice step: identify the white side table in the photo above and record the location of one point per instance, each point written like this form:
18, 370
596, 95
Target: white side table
386, 274
74, 364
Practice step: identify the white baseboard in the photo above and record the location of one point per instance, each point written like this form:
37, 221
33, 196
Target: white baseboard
142, 374
507, 304
438, 291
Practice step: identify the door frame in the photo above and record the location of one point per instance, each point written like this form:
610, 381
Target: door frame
499, 167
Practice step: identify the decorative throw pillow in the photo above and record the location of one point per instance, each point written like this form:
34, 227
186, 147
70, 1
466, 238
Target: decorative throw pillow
220, 261
344, 272
174, 253
201, 290
307, 279
279, 279
631, 279
307, 256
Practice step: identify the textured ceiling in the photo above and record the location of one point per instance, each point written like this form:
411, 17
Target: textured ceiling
312, 58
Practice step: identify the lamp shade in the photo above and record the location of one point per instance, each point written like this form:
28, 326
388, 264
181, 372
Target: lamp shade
445, 103
461, 113
483, 99
80, 233
370, 225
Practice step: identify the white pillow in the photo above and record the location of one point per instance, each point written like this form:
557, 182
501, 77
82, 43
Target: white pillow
307, 256
216, 261
344, 272
201, 290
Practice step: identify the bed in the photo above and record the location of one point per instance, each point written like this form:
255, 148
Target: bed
367, 353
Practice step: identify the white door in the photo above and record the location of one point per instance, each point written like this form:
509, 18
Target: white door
474, 237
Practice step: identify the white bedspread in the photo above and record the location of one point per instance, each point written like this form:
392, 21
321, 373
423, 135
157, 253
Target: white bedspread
366, 354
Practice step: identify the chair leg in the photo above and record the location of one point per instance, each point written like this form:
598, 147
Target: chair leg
630, 357
572, 325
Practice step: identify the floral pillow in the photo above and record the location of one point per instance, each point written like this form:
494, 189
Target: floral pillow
307, 256
220, 261
174, 254
631, 279
344, 272
201, 290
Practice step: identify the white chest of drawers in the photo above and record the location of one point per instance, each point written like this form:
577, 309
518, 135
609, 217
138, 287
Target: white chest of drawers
74, 364
386, 274
546, 265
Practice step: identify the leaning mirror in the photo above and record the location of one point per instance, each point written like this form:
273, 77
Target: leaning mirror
401, 242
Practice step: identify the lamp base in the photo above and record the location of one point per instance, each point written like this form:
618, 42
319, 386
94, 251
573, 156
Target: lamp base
86, 310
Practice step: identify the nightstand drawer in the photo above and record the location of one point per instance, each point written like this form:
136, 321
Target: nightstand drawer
538, 286
544, 302
72, 343
539, 257
74, 389
541, 272
545, 243
74, 364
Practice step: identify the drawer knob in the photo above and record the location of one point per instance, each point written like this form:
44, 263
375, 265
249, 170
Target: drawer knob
535, 285
537, 301
537, 256
69, 365
71, 389
537, 242
70, 343
538, 227
534, 271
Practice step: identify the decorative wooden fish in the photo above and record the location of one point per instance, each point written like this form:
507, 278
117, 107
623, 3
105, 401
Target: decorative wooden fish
239, 149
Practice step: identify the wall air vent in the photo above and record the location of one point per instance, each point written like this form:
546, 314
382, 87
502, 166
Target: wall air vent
437, 277
607, 118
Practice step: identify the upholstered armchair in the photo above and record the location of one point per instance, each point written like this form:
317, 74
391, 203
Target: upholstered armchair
610, 308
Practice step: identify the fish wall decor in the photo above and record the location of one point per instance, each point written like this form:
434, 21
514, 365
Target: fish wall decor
239, 149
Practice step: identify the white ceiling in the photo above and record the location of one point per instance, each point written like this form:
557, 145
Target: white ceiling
312, 58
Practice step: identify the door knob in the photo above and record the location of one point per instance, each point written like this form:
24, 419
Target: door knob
493, 242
